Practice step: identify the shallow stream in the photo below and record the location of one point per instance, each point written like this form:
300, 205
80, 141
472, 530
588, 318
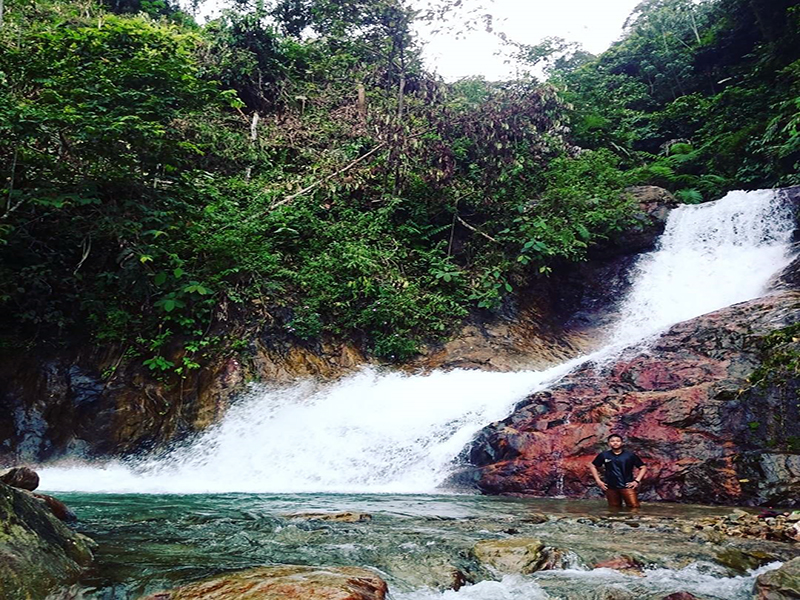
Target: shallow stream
417, 543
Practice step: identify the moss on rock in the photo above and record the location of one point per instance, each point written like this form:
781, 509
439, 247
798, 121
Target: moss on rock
38, 553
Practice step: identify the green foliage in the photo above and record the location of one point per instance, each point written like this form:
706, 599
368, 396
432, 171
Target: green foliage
780, 358
372, 201
720, 77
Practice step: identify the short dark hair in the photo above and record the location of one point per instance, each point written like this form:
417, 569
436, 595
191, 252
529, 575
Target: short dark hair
614, 435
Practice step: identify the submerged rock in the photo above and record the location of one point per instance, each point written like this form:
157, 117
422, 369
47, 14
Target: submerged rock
511, 556
39, 553
342, 517
780, 584
286, 582
624, 564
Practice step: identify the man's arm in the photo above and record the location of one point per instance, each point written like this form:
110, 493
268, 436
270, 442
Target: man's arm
596, 476
640, 471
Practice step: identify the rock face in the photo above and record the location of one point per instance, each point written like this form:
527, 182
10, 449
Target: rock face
89, 403
781, 584
685, 405
38, 554
286, 582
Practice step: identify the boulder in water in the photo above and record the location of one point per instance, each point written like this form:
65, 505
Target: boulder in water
624, 564
285, 582
341, 517
780, 584
39, 554
512, 556
23, 478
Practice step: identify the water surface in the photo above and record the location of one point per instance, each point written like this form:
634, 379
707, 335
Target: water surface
149, 543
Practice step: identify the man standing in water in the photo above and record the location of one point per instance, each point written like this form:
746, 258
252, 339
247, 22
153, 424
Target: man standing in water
620, 481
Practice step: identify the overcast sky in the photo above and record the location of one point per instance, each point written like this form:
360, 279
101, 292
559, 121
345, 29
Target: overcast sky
593, 23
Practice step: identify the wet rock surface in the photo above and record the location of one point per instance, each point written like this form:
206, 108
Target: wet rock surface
22, 478
286, 582
38, 554
517, 555
781, 584
342, 517
684, 404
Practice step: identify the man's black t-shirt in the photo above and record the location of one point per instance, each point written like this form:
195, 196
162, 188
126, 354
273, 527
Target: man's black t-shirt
619, 467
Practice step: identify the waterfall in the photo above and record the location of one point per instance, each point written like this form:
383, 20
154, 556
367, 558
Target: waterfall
379, 431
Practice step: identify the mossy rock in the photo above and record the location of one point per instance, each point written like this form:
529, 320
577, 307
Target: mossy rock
38, 553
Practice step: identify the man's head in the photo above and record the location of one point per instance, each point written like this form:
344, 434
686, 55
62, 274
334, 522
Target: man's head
615, 441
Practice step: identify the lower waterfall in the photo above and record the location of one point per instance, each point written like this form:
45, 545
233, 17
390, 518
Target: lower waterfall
387, 432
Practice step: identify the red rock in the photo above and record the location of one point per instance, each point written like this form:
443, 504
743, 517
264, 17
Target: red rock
57, 507
621, 563
685, 406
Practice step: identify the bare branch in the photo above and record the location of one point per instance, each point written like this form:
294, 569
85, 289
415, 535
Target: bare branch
476, 230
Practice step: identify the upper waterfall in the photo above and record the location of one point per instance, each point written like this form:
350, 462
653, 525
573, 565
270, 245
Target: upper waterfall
390, 432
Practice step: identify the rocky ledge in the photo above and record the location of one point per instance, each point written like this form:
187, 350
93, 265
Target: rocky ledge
38, 553
711, 427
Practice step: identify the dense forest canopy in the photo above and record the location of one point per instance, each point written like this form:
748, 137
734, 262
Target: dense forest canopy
291, 165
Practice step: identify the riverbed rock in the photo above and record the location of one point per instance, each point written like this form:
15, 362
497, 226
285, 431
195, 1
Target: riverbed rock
624, 564
341, 517
512, 555
780, 584
285, 582
38, 554
685, 404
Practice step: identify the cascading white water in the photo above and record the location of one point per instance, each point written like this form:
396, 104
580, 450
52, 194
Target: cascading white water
710, 256
389, 432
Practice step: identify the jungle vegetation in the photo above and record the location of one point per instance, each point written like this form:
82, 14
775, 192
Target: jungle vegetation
291, 166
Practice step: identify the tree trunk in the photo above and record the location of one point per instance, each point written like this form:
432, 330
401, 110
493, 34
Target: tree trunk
762, 24
362, 102
253, 140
